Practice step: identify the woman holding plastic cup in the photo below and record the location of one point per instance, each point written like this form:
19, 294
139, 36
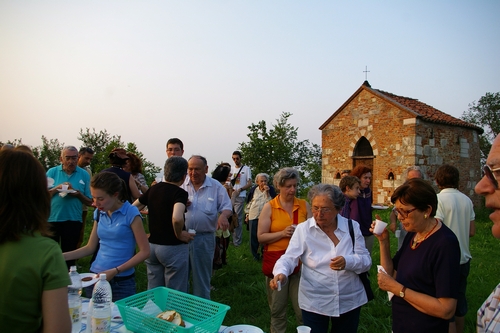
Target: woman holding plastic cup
274, 230
423, 275
330, 289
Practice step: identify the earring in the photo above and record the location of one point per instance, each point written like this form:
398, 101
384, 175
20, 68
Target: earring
425, 216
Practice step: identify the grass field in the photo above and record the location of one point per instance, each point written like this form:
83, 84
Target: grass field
240, 284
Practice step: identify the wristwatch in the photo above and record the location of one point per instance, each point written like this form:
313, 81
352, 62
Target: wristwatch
402, 292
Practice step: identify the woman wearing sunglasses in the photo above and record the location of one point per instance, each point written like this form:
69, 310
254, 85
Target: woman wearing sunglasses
423, 275
488, 316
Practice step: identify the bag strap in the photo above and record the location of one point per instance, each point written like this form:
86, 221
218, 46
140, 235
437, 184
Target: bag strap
351, 232
239, 171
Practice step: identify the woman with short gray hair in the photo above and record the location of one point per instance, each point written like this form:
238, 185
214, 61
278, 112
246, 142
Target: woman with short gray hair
330, 289
257, 197
168, 262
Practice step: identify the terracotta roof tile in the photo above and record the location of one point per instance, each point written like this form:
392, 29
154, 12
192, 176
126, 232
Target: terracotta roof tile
427, 112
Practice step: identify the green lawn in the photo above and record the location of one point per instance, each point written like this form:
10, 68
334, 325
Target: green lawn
240, 284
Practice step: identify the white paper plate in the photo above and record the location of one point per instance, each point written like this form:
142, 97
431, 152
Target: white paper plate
90, 282
379, 207
66, 191
243, 329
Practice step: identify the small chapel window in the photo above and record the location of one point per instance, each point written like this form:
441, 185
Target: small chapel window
391, 176
337, 176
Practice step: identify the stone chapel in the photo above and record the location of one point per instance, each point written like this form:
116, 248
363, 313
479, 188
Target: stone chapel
389, 133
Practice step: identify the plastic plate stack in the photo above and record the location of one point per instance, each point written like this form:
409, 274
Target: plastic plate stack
204, 315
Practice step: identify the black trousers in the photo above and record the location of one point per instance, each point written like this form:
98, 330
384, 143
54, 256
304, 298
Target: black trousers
67, 234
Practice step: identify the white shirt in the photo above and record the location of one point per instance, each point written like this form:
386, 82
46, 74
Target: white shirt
322, 290
456, 210
244, 178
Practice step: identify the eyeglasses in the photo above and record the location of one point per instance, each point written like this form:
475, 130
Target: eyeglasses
491, 174
402, 214
324, 210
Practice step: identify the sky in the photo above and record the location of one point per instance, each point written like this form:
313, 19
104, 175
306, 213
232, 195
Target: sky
203, 71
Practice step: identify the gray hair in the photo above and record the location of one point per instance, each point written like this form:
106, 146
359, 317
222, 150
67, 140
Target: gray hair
413, 168
70, 148
204, 160
265, 175
333, 193
175, 169
283, 175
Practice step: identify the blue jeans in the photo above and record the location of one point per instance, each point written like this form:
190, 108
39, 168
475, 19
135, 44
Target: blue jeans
346, 323
201, 255
168, 266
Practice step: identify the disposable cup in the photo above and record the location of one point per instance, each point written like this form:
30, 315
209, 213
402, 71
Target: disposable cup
64, 187
379, 227
398, 233
192, 231
303, 329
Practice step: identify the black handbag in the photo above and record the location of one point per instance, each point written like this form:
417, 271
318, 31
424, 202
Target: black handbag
363, 276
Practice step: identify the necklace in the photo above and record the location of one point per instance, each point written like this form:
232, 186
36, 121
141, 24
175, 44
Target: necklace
416, 243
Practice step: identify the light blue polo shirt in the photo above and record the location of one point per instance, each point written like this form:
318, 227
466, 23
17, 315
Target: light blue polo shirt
68, 208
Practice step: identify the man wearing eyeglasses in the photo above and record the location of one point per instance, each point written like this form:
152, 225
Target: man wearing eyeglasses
488, 315
242, 181
72, 190
456, 210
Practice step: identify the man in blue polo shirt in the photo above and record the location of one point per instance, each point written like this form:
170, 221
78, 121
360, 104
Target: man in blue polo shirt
72, 188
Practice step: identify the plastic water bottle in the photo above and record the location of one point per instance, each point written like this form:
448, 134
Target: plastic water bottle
74, 300
100, 307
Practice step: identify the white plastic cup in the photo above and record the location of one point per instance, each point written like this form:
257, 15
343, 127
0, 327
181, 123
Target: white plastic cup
379, 227
303, 329
64, 187
192, 231
398, 233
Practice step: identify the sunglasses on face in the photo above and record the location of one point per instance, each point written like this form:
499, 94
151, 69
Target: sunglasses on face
491, 175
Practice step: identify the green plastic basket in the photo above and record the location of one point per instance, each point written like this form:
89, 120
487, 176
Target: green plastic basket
206, 316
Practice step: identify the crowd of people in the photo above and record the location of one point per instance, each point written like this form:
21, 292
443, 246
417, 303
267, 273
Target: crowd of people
314, 253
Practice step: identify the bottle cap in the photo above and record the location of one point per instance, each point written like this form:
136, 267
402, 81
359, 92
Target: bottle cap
72, 269
102, 276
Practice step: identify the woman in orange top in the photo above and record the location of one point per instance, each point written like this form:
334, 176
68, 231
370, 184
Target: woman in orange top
276, 226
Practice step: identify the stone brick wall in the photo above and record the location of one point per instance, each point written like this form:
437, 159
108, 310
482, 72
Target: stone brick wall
398, 140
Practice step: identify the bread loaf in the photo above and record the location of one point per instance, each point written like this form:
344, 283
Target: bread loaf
172, 316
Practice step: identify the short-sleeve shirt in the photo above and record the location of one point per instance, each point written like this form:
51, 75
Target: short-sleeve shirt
116, 238
27, 268
160, 200
68, 208
206, 203
433, 269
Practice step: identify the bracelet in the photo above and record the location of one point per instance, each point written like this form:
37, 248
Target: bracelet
117, 270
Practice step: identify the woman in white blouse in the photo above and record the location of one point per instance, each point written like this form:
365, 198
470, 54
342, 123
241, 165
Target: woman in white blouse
330, 289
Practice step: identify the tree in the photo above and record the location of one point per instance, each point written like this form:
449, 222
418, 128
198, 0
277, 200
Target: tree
270, 150
103, 143
49, 152
486, 114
